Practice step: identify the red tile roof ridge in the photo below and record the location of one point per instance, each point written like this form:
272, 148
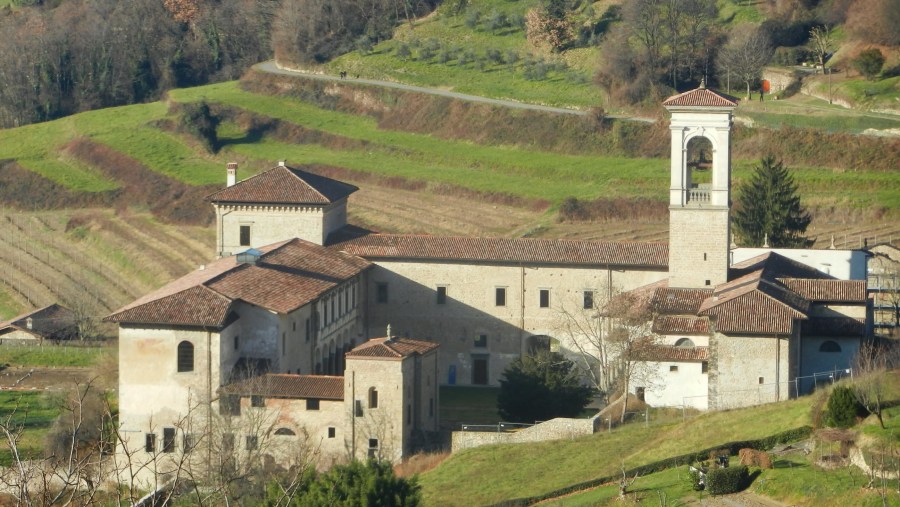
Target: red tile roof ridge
701, 97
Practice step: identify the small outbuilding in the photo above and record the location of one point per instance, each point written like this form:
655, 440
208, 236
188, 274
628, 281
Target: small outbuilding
54, 322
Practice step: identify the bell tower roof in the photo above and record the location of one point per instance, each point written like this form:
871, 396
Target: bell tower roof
700, 97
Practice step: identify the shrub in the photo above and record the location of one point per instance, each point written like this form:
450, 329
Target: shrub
403, 51
472, 19
869, 62
722, 481
843, 409
790, 56
694, 479
198, 120
494, 56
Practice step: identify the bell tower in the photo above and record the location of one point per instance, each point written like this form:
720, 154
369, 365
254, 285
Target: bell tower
700, 190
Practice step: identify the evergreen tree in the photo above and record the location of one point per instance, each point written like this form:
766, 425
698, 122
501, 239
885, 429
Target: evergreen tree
768, 206
540, 387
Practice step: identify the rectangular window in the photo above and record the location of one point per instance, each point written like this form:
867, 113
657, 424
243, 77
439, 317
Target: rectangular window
639, 392
237, 342
333, 314
150, 442
347, 298
168, 440
312, 404
673, 368
545, 298
761, 380
228, 443
340, 299
245, 235
381, 293
588, 300
252, 442
358, 412
257, 401
500, 296
481, 341
704, 367
373, 443
331, 432
283, 343
442, 295
230, 404
325, 308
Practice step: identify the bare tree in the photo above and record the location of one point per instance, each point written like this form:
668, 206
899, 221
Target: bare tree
612, 345
822, 43
872, 362
745, 54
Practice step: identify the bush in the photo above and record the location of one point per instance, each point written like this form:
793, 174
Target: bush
722, 481
788, 56
869, 62
843, 409
693, 477
197, 119
403, 52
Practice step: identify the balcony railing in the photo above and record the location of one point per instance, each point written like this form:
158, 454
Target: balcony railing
699, 194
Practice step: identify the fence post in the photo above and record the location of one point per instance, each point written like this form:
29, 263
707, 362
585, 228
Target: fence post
647, 416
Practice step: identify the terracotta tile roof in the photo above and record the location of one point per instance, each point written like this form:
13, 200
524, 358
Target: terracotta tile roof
395, 348
525, 250
753, 312
700, 97
843, 291
47, 322
287, 276
289, 386
679, 301
836, 326
671, 353
285, 185
688, 325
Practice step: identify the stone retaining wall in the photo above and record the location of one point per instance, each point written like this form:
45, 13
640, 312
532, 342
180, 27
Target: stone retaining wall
554, 429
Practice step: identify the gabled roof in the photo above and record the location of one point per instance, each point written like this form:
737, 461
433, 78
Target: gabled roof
282, 385
393, 348
701, 97
285, 185
683, 325
673, 301
285, 277
45, 322
773, 266
517, 250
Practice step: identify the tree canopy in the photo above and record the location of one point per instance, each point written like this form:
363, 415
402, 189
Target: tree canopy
539, 387
371, 483
768, 207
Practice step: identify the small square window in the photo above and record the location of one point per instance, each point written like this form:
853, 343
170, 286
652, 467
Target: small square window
150, 442
373, 443
481, 341
673, 368
331, 432
312, 404
545, 298
245, 235
588, 299
761, 380
442, 295
257, 401
500, 296
381, 293
252, 442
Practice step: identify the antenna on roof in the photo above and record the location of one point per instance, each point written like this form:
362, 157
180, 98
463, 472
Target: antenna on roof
703, 83
388, 333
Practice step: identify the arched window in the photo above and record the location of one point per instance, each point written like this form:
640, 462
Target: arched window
373, 397
684, 343
829, 346
185, 356
285, 432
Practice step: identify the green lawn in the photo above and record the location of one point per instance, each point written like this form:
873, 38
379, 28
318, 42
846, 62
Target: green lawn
52, 355
494, 473
35, 413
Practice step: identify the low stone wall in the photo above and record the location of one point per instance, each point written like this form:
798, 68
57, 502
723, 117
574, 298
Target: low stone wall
554, 429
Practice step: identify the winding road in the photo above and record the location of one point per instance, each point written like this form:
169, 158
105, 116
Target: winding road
272, 67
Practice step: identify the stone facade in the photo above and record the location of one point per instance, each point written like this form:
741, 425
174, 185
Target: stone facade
699, 251
554, 429
266, 224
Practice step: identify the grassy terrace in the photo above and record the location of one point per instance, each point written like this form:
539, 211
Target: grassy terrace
493, 473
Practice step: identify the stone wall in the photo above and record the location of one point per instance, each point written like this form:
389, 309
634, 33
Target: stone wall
698, 247
554, 429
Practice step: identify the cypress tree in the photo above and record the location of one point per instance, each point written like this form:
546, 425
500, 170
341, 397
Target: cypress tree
769, 205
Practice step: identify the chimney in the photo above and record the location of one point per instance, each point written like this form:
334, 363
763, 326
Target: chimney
232, 174
29, 323
282, 163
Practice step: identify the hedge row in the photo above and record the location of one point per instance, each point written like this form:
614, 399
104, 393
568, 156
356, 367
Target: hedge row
733, 448
722, 481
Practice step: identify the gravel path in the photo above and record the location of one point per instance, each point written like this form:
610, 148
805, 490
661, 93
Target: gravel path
272, 67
